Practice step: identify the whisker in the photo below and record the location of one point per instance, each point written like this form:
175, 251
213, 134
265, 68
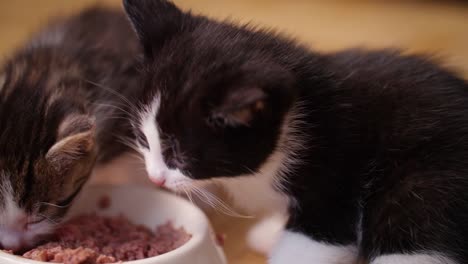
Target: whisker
137, 161
119, 95
249, 169
55, 205
114, 106
117, 117
128, 143
217, 203
53, 221
189, 195
138, 157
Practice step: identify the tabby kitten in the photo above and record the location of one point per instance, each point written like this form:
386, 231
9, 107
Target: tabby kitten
52, 123
366, 150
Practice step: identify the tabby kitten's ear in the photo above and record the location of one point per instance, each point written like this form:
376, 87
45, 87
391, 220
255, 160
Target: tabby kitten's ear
154, 21
75, 141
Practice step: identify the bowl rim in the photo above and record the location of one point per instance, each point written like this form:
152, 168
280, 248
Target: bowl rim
196, 240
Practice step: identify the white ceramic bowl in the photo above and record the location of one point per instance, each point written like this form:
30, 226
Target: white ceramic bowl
149, 207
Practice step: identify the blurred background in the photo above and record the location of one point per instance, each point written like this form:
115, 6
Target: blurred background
435, 27
439, 27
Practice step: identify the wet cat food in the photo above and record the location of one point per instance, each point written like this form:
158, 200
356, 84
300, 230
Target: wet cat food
95, 239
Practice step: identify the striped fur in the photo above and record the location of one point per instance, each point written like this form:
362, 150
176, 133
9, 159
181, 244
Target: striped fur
53, 119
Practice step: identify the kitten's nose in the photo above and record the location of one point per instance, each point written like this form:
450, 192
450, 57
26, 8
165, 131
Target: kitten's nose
158, 178
159, 183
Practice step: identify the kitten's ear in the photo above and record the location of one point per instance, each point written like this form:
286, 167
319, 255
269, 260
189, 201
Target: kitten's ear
262, 90
75, 141
240, 107
154, 22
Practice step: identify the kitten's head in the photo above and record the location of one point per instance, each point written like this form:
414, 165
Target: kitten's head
215, 97
46, 152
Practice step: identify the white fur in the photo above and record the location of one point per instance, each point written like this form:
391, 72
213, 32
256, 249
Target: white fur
299, 249
154, 158
423, 258
155, 166
264, 234
14, 230
10, 212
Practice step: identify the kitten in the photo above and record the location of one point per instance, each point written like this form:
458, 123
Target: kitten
366, 150
52, 124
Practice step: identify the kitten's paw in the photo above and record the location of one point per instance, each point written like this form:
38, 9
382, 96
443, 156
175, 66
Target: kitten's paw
299, 249
265, 233
432, 258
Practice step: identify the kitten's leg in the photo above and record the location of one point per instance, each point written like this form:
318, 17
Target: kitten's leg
323, 226
328, 237
265, 233
420, 219
298, 248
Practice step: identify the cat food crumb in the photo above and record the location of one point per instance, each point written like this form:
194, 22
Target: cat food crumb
104, 202
92, 239
220, 239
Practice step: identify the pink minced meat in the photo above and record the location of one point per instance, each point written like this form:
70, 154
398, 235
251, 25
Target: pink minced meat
88, 239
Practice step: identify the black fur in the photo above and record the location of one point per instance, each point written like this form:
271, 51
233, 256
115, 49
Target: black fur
386, 134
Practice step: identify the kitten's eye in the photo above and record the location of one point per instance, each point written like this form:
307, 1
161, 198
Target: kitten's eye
142, 141
36, 219
170, 144
216, 121
68, 200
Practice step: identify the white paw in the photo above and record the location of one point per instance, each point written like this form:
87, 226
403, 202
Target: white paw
265, 233
426, 258
299, 249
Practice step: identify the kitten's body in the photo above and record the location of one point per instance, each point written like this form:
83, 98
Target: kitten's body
365, 150
51, 115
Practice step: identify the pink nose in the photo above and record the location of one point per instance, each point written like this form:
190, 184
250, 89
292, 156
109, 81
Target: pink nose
159, 182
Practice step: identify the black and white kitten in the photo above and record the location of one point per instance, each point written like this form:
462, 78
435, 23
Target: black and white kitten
366, 151
53, 121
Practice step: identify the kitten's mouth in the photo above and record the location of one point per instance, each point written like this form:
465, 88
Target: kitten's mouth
23, 244
18, 249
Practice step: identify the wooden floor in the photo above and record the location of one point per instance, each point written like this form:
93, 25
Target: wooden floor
438, 27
